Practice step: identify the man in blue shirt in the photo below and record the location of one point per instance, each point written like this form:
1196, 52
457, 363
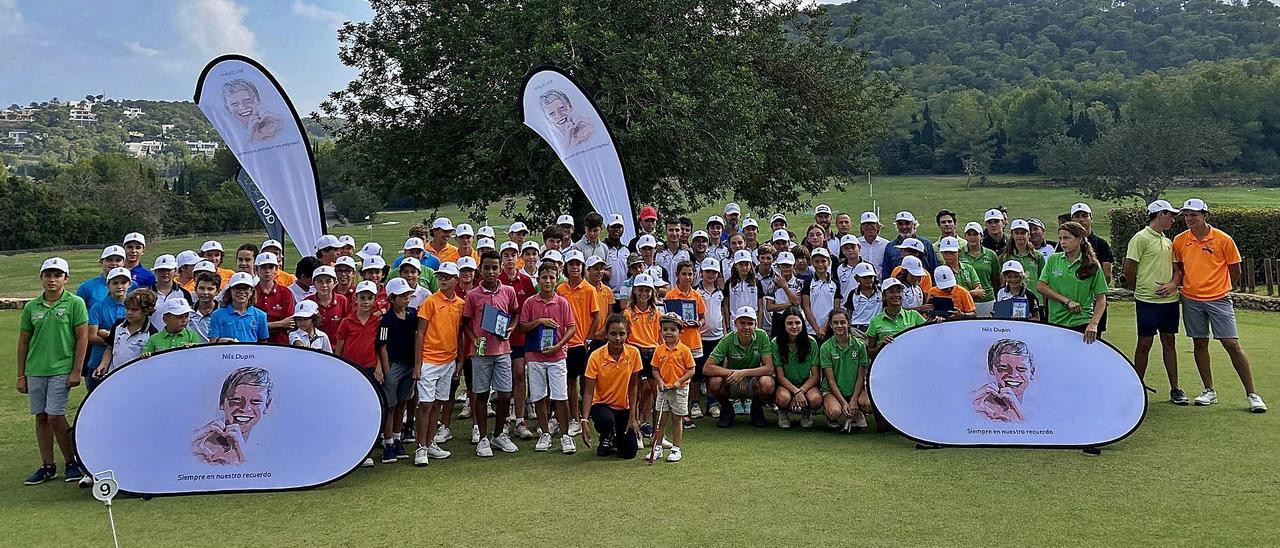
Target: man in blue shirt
135, 246
907, 226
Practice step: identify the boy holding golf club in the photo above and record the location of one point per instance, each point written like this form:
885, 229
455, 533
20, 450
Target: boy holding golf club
673, 362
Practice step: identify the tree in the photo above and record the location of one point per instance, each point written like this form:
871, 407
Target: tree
967, 132
706, 99
1033, 115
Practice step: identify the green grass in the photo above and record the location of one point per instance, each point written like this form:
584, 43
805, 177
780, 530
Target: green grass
1201, 476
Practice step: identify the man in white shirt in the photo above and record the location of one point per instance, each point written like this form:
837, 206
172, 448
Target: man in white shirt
873, 245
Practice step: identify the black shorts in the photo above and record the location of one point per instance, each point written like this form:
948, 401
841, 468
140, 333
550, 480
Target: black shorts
646, 363
593, 345
698, 363
1157, 318
576, 361
517, 351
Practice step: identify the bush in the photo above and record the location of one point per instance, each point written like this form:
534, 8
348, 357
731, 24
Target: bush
355, 203
1256, 231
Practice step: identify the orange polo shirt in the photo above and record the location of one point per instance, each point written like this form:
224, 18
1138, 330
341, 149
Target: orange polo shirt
449, 254
690, 336
444, 322
959, 296
583, 303
645, 329
672, 363
1204, 264
613, 377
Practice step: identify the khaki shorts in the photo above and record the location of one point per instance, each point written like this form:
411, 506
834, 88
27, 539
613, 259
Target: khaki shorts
675, 400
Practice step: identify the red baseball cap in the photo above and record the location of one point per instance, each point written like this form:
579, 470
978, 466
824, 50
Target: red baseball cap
648, 212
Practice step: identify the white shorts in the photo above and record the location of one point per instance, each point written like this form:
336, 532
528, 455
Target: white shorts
675, 400
548, 377
435, 381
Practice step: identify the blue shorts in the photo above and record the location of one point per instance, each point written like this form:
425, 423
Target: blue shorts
1157, 318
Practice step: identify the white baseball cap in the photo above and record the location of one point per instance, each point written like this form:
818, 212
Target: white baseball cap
270, 243
510, 245
820, 252
700, 234
306, 309
373, 262
732, 208
464, 229
204, 266
211, 245
486, 231
849, 239
993, 215
370, 249
112, 251
1019, 224
944, 277
449, 268
616, 220
410, 261
658, 279
240, 278
397, 286
949, 243
554, 256
742, 256
324, 270
594, 260
863, 270
134, 237
413, 243
785, 257
642, 279
58, 263
180, 307
710, 263
777, 217
517, 227
266, 257
467, 262
367, 286
870, 217
531, 245
1081, 206
904, 216
973, 226
485, 243
781, 235
914, 266
187, 258
345, 261
1012, 266
1195, 204
328, 241
715, 219
646, 240
346, 240
165, 262
750, 222
1036, 222
117, 272
911, 243
822, 208
890, 282
443, 223
565, 220
1161, 205
744, 312
574, 255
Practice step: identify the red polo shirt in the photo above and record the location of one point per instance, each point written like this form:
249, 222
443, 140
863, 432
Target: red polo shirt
523, 285
331, 316
359, 338
278, 304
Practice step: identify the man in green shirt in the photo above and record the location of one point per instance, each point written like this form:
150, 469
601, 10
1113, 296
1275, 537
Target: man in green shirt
53, 337
1148, 272
741, 366
176, 334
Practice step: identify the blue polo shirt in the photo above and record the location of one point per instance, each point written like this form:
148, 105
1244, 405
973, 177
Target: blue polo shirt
143, 277
105, 314
94, 290
250, 327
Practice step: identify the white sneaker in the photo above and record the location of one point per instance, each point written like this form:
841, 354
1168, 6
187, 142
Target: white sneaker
434, 451
368, 463
566, 445
860, 421
504, 443
475, 434
784, 421
544, 442
666, 444
674, 455
483, 449
420, 456
1256, 405
522, 431
695, 411
1207, 397
574, 428
466, 412
531, 412
657, 452
714, 410
806, 420
553, 427
443, 434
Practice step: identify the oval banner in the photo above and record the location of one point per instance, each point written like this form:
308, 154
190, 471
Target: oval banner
229, 417
1006, 383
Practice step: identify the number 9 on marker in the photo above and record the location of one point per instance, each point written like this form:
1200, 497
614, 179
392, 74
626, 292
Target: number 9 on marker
105, 489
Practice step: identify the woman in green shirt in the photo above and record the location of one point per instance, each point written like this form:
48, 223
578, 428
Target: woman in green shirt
892, 319
1021, 250
796, 354
843, 360
1073, 284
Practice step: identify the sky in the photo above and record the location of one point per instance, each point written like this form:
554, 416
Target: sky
155, 49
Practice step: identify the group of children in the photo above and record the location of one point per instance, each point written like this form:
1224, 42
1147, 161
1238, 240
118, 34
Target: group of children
618, 342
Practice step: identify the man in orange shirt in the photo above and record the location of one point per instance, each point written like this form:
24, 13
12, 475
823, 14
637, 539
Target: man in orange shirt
439, 245
1206, 263
438, 337
586, 312
609, 388
946, 288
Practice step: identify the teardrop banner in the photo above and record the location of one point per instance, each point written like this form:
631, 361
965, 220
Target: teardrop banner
227, 418
552, 104
1003, 383
259, 125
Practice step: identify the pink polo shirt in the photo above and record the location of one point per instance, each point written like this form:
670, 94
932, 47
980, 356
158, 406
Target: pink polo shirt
504, 299
557, 309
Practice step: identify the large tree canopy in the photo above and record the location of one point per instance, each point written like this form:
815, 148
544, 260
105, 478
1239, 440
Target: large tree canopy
708, 99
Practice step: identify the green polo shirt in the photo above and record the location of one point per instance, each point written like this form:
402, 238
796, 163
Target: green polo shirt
984, 264
1032, 264
797, 371
882, 324
1060, 274
165, 340
1154, 254
53, 333
844, 361
739, 356
968, 278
